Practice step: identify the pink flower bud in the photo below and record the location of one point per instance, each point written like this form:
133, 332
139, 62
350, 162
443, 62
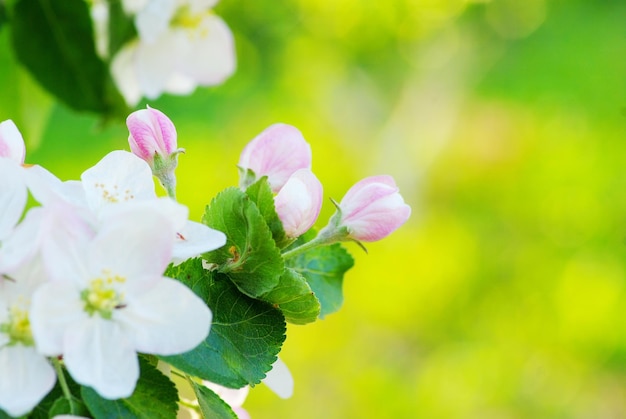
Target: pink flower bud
373, 208
11, 142
277, 153
153, 139
298, 202
151, 133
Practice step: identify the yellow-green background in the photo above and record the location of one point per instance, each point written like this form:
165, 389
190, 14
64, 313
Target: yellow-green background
503, 123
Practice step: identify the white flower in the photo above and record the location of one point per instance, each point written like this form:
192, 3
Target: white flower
179, 48
111, 301
27, 376
118, 180
123, 178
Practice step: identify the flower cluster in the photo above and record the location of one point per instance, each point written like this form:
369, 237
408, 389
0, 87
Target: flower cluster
102, 280
82, 276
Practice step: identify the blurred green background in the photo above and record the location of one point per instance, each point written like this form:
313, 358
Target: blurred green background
503, 123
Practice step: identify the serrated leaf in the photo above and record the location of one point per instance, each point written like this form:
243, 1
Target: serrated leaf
246, 334
261, 194
155, 396
323, 268
294, 297
54, 41
211, 405
250, 256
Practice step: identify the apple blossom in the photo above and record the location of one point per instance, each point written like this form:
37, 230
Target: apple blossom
277, 152
178, 49
111, 301
370, 210
153, 139
298, 203
120, 179
373, 208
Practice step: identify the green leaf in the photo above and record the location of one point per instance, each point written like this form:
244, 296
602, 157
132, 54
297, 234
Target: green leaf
323, 268
3, 21
154, 397
62, 406
54, 41
261, 194
294, 297
250, 256
211, 405
246, 334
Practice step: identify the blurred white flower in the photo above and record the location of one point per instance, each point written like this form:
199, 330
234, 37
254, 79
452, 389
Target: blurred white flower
181, 45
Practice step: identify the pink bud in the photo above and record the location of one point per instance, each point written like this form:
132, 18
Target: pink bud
11, 142
298, 203
373, 208
277, 153
153, 139
151, 133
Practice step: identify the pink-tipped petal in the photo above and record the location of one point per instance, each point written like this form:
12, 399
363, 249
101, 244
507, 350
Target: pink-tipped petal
151, 132
11, 142
277, 153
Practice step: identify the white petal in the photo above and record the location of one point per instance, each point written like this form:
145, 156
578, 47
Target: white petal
212, 56
195, 239
13, 195
120, 176
98, 354
26, 378
197, 6
279, 380
156, 62
55, 308
180, 84
133, 245
11, 142
125, 74
166, 319
23, 243
174, 212
154, 19
133, 6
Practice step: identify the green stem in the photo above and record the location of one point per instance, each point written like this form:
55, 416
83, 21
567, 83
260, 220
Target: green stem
64, 387
168, 180
328, 235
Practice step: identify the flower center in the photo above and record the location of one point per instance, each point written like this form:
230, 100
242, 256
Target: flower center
17, 327
102, 296
186, 19
113, 194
